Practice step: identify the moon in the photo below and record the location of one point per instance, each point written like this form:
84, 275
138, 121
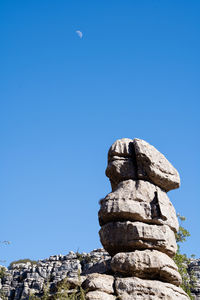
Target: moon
79, 33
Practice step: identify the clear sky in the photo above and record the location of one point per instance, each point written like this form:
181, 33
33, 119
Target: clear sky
64, 100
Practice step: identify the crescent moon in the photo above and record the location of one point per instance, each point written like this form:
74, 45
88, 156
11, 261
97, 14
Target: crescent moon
79, 33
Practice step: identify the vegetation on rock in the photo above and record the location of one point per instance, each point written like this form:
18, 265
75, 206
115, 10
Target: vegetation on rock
62, 292
22, 261
182, 261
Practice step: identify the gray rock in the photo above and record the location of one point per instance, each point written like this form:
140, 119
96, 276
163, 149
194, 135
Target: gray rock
120, 169
122, 148
101, 267
147, 264
139, 289
194, 270
154, 167
52, 270
129, 236
98, 295
100, 282
121, 162
138, 201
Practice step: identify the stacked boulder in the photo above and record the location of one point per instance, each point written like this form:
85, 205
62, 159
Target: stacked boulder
138, 222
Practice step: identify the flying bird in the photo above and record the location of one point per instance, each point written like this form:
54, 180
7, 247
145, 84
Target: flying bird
79, 33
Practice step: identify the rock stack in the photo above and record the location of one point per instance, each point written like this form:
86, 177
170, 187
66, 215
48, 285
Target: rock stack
138, 223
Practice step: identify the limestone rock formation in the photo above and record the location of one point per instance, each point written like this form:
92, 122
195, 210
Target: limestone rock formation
194, 270
130, 288
98, 295
138, 200
154, 167
129, 236
23, 279
99, 282
138, 225
99, 287
120, 162
149, 264
138, 222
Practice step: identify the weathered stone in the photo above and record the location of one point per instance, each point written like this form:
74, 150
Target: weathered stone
138, 201
154, 167
53, 269
101, 267
139, 289
148, 264
121, 162
98, 295
129, 236
120, 169
100, 282
194, 271
122, 147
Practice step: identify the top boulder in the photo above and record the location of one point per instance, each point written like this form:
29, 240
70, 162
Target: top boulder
154, 167
122, 148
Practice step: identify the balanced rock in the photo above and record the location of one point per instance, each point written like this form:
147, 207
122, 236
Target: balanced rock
154, 167
148, 264
130, 288
138, 201
138, 223
129, 236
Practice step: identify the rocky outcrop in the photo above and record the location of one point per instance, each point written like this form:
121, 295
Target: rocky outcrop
194, 271
23, 279
138, 226
138, 222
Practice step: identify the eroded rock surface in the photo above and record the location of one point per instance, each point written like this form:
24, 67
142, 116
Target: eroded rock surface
24, 278
122, 148
121, 162
99, 282
98, 295
154, 167
149, 264
129, 236
194, 270
138, 225
138, 201
130, 288
138, 222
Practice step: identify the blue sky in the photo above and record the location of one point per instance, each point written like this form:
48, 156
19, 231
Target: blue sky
65, 100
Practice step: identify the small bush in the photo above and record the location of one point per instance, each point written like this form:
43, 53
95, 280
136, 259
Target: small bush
22, 261
63, 292
83, 258
2, 272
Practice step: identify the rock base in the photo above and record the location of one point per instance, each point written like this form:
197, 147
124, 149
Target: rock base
103, 287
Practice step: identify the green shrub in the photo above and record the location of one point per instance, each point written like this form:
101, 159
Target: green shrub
182, 261
20, 261
81, 257
2, 272
63, 292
